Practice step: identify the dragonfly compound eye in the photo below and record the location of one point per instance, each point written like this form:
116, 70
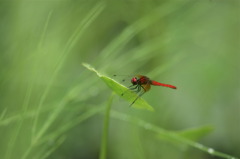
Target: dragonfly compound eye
134, 80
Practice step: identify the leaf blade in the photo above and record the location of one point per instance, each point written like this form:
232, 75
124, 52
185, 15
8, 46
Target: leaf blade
119, 89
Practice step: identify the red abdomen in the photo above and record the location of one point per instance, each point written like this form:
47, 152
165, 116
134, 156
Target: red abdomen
155, 83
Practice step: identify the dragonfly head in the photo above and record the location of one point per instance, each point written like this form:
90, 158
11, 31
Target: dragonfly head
134, 80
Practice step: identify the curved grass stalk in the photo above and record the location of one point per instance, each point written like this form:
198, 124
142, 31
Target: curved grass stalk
171, 135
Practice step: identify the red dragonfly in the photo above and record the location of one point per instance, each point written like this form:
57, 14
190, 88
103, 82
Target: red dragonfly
142, 84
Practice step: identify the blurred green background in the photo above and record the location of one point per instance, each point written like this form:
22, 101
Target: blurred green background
52, 107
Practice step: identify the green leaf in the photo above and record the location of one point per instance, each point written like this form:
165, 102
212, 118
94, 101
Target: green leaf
193, 134
196, 133
119, 89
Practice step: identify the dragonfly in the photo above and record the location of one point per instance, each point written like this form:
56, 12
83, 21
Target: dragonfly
141, 84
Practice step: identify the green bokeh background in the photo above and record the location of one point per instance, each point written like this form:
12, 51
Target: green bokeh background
44, 87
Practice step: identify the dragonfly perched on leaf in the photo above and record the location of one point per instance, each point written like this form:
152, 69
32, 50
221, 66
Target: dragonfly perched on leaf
141, 84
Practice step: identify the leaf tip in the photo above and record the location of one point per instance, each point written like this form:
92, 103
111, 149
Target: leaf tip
89, 67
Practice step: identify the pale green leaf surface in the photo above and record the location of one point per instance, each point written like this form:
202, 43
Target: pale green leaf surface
119, 89
193, 134
196, 133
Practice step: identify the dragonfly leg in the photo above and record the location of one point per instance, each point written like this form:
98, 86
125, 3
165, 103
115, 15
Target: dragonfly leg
143, 88
138, 97
138, 89
130, 87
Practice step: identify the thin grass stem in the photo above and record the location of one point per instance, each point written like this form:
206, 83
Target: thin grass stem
103, 152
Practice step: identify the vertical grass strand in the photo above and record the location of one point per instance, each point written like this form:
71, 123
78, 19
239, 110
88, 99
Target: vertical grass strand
13, 139
103, 151
76, 35
40, 45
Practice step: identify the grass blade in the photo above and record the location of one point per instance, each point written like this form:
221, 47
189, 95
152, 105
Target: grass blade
174, 136
103, 152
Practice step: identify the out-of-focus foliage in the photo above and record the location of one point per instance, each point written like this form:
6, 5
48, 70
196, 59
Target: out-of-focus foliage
52, 107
